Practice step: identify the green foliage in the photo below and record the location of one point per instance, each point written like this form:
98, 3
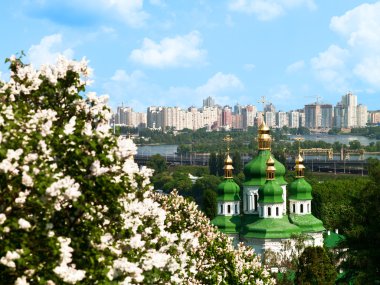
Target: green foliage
207, 182
213, 164
237, 163
158, 163
315, 268
209, 203
363, 238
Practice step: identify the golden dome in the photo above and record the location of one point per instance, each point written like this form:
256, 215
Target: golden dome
228, 159
299, 159
263, 127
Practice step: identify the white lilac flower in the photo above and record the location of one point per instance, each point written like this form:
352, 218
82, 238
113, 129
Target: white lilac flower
70, 126
24, 224
3, 218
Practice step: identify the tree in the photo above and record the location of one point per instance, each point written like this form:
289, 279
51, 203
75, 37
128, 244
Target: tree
207, 182
209, 203
158, 163
221, 157
213, 164
237, 163
362, 239
315, 267
75, 207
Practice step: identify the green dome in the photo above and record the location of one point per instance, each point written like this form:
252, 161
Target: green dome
227, 224
255, 170
270, 192
228, 190
300, 189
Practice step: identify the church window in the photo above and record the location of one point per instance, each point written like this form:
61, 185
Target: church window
236, 209
308, 207
256, 202
247, 202
294, 208
221, 209
277, 211
269, 211
301, 210
229, 209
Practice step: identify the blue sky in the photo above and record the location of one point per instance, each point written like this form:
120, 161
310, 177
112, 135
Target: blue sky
178, 52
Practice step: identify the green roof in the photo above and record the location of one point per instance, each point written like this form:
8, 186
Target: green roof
255, 170
300, 189
307, 223
227, 224
270, 192
255, 227
228, 190
333, 239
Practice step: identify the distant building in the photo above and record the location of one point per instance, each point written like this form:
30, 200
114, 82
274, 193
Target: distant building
281, 119
326, 116
209, 102
248, 116
226, 116
313, 116
374, 117
349, 104
361, 115
270, 119
294, 119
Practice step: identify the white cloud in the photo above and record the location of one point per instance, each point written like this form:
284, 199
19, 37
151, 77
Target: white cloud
266, 10
48, 50
330, 67
135, 90
369, 70
295, 66
249, 66
220, 82
360, 26
361, 29
131, 11
170, 52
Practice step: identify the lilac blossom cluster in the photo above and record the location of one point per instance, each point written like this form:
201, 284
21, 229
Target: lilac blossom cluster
76, 209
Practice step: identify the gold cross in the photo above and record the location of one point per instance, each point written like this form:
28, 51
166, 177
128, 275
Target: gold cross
228, 139
263, 100
299, 139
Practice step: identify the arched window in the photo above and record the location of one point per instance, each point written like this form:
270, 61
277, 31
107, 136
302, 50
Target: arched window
229, 209
221, 208
236, 209
294, 208
301, 210
269, 211
277, 211
256, 202
308, 207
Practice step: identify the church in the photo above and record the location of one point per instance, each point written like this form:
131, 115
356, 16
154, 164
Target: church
259, 215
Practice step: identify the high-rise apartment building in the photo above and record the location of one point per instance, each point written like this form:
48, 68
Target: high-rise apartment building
209, 102
281, 119
270, 119
248, 116
226, 116
294, 119
326, 116
361, 115
349, 103
313, 116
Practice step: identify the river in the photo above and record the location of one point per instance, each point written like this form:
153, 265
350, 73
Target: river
344, 139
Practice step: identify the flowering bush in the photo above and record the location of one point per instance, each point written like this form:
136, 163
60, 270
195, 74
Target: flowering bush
76, 209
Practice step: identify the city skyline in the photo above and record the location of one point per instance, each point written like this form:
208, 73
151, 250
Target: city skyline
346, 114
166, 53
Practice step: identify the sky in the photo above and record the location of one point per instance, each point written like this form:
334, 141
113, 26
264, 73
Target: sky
178, 52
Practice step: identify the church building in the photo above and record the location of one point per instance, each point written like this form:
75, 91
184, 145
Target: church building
258, 215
